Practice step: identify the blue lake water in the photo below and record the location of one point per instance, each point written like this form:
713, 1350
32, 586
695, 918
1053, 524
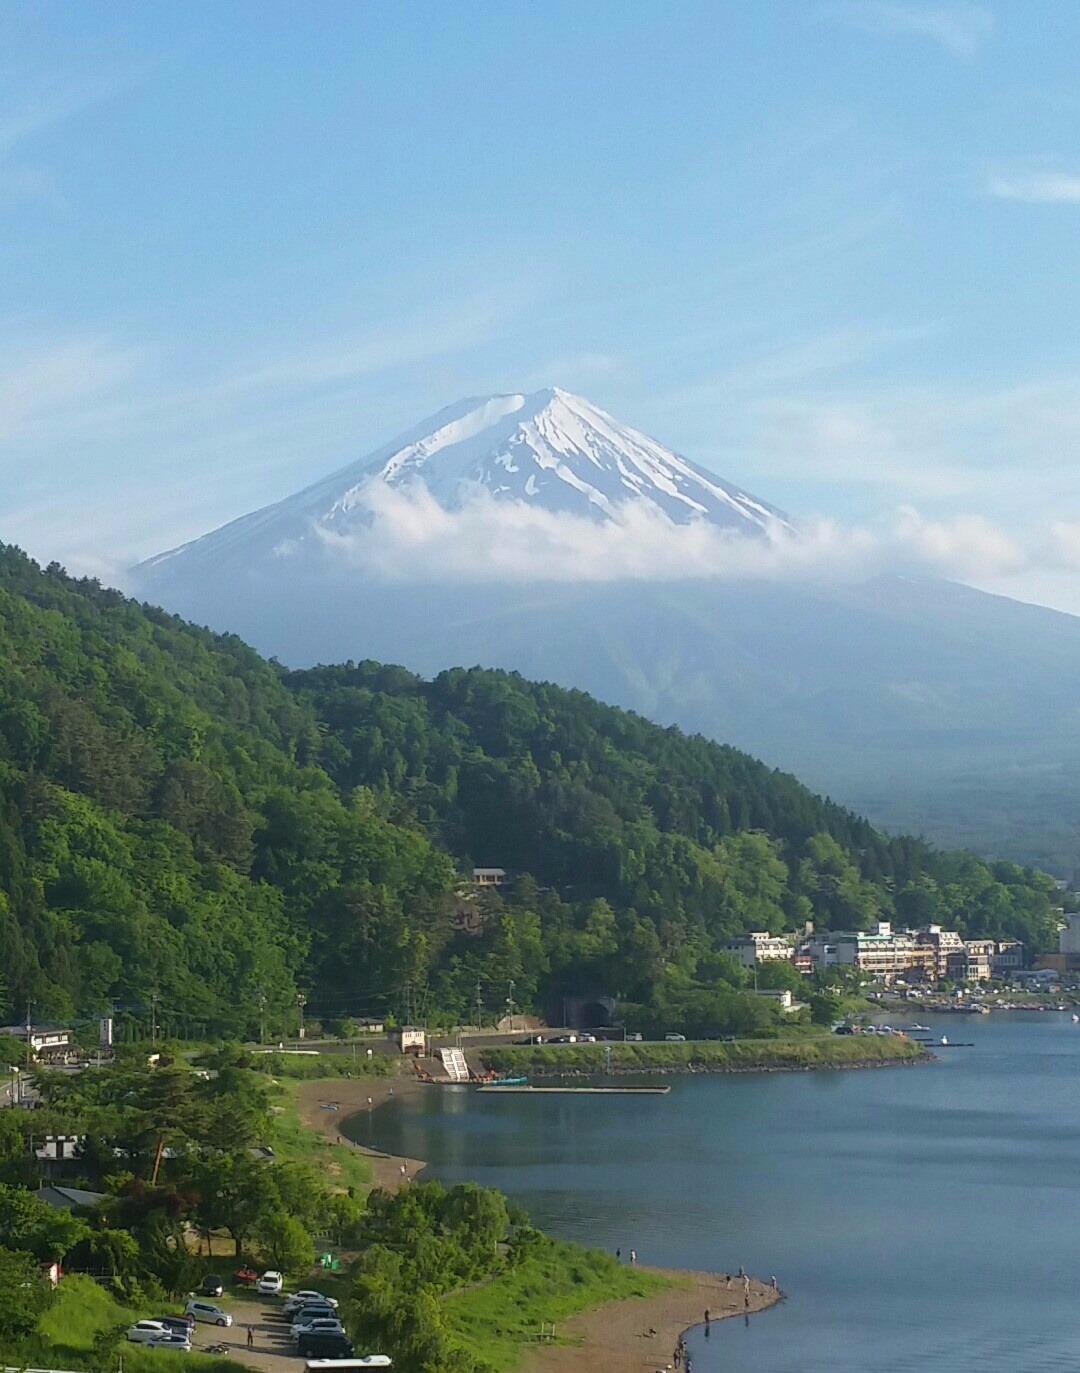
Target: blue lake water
918, 1218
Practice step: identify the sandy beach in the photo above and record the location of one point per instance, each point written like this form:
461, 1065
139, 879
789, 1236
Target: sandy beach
351, 1095
615, 1337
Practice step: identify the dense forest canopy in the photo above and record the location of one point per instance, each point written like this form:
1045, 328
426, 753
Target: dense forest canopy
187, 826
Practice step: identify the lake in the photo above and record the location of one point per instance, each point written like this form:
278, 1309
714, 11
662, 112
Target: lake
918, 1218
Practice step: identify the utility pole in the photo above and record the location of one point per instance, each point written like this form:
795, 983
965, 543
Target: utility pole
510, 1005
479, 1006
29, 1033
261, 999
301, 1001
153, 1017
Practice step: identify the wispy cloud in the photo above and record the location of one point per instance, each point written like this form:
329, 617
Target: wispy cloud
1034, 184
46, 384
958, 28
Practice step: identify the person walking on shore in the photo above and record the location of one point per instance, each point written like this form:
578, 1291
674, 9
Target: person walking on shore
633, 1256
774, 1286
251, 1337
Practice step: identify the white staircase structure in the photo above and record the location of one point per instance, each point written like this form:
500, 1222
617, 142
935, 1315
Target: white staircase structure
455, 1064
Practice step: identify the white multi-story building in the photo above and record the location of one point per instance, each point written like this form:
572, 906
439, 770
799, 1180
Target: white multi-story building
760, 947
882, 952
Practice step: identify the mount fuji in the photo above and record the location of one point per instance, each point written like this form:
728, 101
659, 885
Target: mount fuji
926, 704
550, 451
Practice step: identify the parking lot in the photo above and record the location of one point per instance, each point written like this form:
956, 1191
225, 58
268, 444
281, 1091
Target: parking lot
273, 1350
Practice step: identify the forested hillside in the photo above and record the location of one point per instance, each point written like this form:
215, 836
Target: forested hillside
188, 827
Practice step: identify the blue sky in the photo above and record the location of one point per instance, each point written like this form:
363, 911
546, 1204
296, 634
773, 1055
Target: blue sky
828, 249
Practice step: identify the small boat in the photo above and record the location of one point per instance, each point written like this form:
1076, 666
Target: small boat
1076, 1019
944, 1039
507, 1082
920, 1029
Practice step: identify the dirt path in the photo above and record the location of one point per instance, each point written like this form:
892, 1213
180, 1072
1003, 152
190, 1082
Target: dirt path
615, 1338
325, 1103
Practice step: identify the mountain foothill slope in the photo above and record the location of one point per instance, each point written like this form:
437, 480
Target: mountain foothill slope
187, 827
928, 704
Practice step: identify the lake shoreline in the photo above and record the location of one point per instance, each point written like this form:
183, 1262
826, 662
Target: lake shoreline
616, 1338
717, 1070
350, 1097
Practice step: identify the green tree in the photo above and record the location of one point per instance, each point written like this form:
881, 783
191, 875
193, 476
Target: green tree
284, 1242
24, 1294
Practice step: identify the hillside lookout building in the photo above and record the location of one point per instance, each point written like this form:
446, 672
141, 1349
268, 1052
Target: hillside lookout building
489, 877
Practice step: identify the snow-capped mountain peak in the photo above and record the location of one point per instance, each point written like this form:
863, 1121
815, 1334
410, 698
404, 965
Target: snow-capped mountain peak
556, 451
548, 450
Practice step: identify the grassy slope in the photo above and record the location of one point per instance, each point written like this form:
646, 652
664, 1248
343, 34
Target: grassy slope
494, 1321
821, 1051
81, 1312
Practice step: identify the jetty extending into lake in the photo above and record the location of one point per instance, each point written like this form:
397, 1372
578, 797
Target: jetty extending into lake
578, 1091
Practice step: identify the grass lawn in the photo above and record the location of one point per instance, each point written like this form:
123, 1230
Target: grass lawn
494, 1321
83, 1311
293, 1142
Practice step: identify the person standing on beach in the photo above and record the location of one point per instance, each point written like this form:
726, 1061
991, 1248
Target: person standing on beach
633, 1256
774, 1286
706, 1320
251, 1337
618, 1256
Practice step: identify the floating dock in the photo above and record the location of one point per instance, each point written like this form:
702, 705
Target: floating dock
579, 1091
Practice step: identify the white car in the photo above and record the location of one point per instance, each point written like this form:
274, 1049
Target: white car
299, 1299
318, 1325
208, 1312
180, 1342
143, 1332
271, 1283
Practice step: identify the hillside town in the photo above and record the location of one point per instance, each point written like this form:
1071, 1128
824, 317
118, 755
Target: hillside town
927, 956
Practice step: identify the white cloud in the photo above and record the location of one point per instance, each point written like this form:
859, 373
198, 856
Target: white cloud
958, 28
1034, 185
409, 537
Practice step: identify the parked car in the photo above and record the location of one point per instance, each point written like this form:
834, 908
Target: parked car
298, 1300
563, 1039
271, 1283
211, 1286
318, 1325
245, 1276
142, 1332
316, 1346
178, 1325
311, 1310
633, 1036
585, 1038
179, 1342
207, 1312
675, 1039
